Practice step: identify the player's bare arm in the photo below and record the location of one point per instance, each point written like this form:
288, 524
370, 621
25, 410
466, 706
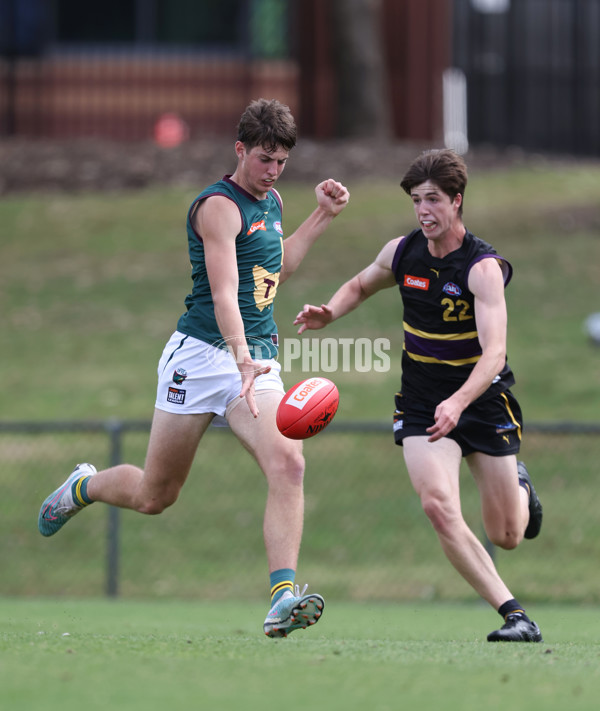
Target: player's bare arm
378, 275
487, 284
218, 221
332, 198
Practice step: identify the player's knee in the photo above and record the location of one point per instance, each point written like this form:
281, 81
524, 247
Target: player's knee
441, 515
507, 539
288, 469
156, 504
295, 468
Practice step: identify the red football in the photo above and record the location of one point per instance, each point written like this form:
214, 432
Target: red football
307, 408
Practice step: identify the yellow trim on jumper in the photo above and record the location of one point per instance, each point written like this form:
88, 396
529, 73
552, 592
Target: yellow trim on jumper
439, 336
430, 359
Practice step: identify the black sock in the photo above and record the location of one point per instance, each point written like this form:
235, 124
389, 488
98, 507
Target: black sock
511, 607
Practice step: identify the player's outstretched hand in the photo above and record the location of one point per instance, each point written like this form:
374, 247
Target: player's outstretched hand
250, 370
313, 317
332, 196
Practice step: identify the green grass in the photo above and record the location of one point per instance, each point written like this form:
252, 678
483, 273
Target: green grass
91, 654
91, 287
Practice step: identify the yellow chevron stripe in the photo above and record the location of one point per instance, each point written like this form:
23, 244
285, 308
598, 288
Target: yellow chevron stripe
430, 359
439, 336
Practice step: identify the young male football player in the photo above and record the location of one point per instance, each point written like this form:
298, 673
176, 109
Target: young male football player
455, 399
220, 362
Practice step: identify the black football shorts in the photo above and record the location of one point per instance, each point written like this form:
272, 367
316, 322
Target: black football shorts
492, 426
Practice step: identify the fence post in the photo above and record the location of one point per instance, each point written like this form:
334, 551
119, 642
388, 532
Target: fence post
115, 430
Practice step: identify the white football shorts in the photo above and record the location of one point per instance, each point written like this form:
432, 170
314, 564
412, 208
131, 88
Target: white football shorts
195, 378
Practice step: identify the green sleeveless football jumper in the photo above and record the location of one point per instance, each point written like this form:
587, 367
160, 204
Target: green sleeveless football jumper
259, 252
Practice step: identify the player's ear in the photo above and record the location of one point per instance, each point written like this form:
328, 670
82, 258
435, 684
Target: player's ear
458, 199
240, 149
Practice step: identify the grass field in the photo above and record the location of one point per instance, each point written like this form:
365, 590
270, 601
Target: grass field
95, 655
91, 287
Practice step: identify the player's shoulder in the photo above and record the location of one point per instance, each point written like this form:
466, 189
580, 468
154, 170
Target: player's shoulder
217, 203
216, 214
387, 252
396, 247
277, 196
485, 276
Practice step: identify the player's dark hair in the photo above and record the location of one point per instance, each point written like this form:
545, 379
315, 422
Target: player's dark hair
269, 124
443, 167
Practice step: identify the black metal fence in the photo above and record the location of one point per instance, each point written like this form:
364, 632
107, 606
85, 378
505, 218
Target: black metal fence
533, 73
365, 534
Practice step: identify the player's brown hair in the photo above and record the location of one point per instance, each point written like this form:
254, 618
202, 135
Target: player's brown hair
267, 123
443, 167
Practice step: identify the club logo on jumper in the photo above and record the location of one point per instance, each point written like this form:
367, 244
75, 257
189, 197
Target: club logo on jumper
301, 395
416, 282
452, 289
176, 396
257, 226
278, 228
179, 376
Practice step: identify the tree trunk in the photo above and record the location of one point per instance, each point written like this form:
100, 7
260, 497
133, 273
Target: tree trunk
360, 68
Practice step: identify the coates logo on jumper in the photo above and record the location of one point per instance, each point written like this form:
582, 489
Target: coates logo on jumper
452, 289
257, 226
278, 227
303, 393
416, 282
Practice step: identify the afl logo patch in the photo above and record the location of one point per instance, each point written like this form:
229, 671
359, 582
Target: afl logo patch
452, 289
278, 228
